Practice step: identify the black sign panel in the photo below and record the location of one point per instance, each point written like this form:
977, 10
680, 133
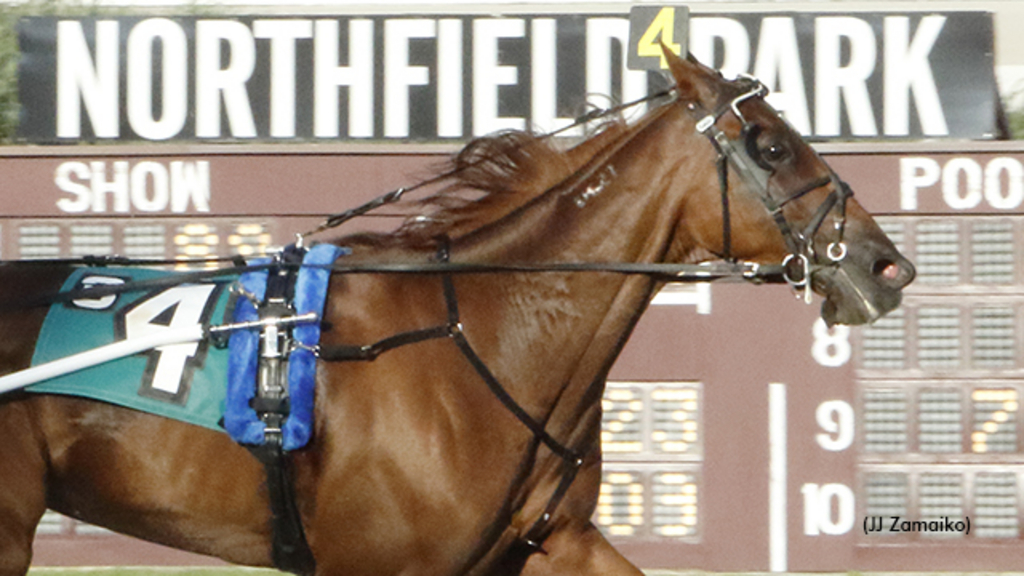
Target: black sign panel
650, 29
436, 77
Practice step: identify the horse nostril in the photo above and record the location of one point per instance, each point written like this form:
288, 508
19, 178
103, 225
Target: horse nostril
886, 269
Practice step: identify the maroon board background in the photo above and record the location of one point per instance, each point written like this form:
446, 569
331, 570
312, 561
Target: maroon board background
753, 336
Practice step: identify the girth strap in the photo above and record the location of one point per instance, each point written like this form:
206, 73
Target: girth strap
289, 550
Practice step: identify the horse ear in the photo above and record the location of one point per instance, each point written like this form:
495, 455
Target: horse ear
691, 76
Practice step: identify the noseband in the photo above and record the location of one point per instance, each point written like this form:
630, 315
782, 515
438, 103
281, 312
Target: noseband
746, 159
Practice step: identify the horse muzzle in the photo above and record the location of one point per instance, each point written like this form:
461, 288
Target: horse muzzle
861, 292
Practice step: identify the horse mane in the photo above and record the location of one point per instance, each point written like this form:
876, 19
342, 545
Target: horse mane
488, 179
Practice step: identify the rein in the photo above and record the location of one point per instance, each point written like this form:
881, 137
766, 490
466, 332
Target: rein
669, 273
335, 220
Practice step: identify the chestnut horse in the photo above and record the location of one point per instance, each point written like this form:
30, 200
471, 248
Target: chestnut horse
415, 467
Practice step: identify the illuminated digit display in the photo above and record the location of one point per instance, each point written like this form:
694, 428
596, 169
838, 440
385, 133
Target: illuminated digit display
622, 424
995, 421
621, 505
674, 504
651, 438
250, 240
651, 420
196, 241
675, 420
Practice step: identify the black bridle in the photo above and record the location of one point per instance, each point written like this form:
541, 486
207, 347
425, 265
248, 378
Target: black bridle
749, 164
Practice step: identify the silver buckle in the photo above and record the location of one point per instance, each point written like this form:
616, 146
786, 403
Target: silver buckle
805, 282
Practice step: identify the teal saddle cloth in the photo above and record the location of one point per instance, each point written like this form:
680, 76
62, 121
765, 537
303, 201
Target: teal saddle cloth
181, 381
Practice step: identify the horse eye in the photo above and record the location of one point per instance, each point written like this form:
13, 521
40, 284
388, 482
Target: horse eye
774, 153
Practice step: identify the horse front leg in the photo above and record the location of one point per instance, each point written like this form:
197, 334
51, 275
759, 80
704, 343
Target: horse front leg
579, 551
22, 489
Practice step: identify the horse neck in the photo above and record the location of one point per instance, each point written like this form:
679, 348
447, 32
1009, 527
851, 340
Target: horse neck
554, 336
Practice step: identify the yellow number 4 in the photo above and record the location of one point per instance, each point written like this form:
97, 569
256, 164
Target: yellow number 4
663, 26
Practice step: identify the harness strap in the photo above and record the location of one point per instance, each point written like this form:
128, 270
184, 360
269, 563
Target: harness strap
499, 391
289, 549
346, 353
535, 536
722, 163
572, 460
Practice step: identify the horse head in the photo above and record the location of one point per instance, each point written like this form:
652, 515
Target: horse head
779, 201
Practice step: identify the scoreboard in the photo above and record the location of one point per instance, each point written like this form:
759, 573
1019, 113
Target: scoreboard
740, 433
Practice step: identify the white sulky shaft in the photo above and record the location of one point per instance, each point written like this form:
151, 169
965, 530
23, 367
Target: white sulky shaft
100, 355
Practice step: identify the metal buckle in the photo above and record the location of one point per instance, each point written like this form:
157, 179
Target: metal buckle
805, 282
836, 251
705, 123
758, 90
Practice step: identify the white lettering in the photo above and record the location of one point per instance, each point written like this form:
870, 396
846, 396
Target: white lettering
831, 347
80, 81
907, 70
190, 181
282, 34
212, 81
951, 183
544, 80
449, 78
735, 43
147, 186
140, 177
357, 76
778, 56
916, 172
965, 184
834, 82
603, 36
818, 508
399, 75
1014, 183
846, 58
83, 196
173, 78
118, 187
836, 418
489, 75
